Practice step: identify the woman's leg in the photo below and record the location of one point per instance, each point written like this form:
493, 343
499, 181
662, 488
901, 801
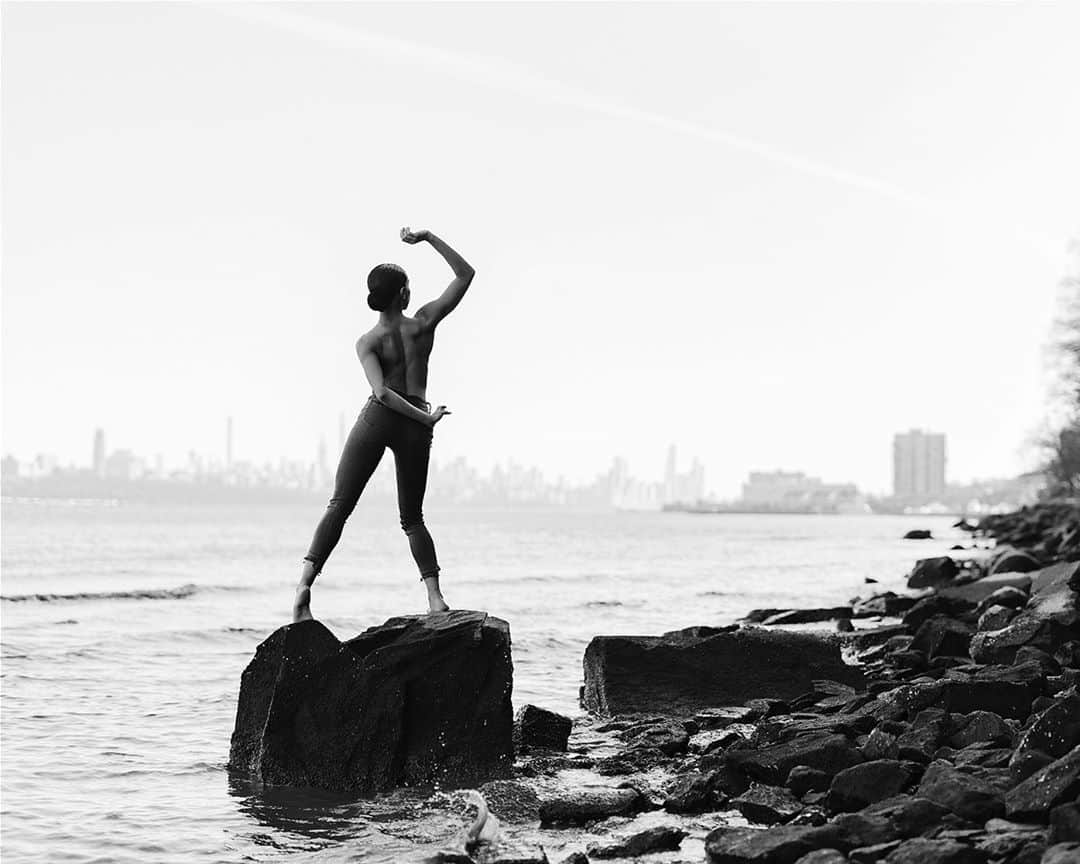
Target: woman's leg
412, 451
359, 457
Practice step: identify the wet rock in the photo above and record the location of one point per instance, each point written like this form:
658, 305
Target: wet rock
1056, 730
577, 806
575, 858
538, 727
858, 830
668, 738
968, 797
511, 801
1054, 784
692, 793
1010, 560
981, 590
979, 726
919, 743
767, 805
823, 751
1069, 654
861, 785
880, 745
802, 779
1065, 823
719, 718
921, 850
808, 616
1009, 596
933, 572
1031, 654
1062, 853
995, 617
783, 844
687, 675
910, 815
872, 854
934, 605
823, 856
886, 605
942, 635
662, 838
919, 534
376, 711
1024, 763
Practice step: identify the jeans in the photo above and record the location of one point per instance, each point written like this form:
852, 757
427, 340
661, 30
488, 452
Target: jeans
376, 428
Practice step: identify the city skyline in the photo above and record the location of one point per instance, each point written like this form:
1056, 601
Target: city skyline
918, 470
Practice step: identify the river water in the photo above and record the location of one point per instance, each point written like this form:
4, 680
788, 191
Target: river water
125, 628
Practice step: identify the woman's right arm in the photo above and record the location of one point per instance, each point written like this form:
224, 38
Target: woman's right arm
373, 370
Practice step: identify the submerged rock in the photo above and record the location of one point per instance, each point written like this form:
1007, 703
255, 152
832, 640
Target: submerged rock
686, 673
418, 700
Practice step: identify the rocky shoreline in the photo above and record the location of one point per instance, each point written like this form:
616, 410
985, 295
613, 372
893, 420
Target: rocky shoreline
936, 726
956, 740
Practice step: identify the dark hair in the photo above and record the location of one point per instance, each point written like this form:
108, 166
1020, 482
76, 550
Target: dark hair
384, 283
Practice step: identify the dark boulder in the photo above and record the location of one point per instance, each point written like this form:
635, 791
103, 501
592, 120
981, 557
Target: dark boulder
934, 605
981, 590
802, 779
662, 838
1056, 730
919, 534
1061, 853
909, 814
538, 727
922, 850
933, 572
1010, 560
418, 700
1065, 823
784, 844
1054, 784
979, 726
823, 856
994, 618
860, 785
577, 806
772, 764
767, 805
684, 675
942, 635
694, 792
967, 796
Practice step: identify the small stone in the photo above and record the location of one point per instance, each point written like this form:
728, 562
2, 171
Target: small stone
803, 779
823, 856
995, 618
538, 727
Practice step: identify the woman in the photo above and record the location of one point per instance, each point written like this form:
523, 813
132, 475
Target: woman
394, 354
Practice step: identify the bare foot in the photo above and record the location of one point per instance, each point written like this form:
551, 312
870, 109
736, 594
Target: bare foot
435, 600
301, 610
437, 604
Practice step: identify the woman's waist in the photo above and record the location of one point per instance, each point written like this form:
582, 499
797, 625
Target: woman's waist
411, 398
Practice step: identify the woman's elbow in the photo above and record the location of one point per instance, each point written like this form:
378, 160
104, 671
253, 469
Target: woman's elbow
379, 392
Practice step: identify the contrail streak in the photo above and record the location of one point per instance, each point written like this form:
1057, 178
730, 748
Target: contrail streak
504, 75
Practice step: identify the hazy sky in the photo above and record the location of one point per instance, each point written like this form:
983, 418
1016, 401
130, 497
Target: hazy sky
773, 234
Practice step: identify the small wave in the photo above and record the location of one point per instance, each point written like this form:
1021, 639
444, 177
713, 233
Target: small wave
592, 603
134, 594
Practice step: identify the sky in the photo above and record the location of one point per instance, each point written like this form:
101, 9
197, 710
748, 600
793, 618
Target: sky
771, 234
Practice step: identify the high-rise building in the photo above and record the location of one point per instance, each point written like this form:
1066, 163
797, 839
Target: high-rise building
918, 464
99, 452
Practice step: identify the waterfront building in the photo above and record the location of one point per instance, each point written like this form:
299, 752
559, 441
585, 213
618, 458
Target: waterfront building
918, 464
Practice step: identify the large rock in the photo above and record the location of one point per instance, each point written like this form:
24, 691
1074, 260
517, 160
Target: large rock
538, 727
822, 751
1055, 784
933, 572
577, 806
969, 797
683, 673
979, 590
418, 700
779, 845
861, 785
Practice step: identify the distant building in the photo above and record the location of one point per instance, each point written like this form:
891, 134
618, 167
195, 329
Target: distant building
99, 452
918, 464
121, 465
9, 466
795, 492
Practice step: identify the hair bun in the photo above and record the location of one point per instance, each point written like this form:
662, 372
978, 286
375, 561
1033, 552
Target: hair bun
375, 302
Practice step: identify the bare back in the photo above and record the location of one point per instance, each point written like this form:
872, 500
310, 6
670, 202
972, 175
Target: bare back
403, 348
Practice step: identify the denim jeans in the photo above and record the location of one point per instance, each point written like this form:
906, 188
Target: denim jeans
376, 428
